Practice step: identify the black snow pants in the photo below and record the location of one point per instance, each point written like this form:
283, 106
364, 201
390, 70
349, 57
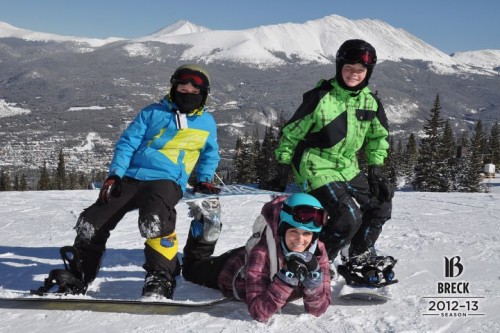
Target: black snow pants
356, 217
155, 201
198, 264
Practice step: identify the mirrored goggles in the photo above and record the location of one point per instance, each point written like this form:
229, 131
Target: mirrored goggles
362, 56
305, 214
196, 80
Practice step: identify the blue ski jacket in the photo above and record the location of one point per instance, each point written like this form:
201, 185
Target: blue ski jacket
162, 143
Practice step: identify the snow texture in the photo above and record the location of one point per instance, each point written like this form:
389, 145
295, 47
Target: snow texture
425, 228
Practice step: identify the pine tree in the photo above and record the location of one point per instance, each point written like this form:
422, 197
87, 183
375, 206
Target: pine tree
44, 181
83, 181
494, 144
473, 183
410, 157
72, 183
448, 158
430, 166
16, 183
23, 184
60, 175
243, 161
256, 151
391, 165
267, 161
462, 163
5, 184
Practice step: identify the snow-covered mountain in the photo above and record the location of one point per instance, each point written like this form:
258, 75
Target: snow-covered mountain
7, 30
484, 58
314, 41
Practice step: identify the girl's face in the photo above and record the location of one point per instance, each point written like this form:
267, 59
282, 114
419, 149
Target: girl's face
353, 74
297, 240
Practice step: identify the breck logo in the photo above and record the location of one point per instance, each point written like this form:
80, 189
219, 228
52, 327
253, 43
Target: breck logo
453, 267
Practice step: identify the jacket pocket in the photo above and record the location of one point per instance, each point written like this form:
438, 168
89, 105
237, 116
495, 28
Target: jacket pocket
365, 115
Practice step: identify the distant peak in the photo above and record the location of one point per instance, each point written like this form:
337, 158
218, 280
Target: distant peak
181, 27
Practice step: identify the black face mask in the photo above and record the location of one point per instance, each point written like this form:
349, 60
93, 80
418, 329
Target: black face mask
188, 102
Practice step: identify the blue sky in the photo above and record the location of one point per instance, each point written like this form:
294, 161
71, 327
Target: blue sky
449, 25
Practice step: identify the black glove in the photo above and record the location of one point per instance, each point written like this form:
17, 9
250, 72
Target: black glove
380, 186
299, 266
279, 183
206, 188
111, 187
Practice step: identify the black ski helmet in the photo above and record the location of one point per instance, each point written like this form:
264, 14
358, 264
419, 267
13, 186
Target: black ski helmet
355, 51
197, 75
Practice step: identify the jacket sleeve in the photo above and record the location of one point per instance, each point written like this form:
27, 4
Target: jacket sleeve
297, 127
128, 143
317, 301
264, 296
209, 156
376, 138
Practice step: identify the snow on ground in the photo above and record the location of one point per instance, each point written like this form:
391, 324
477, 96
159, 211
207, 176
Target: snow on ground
426, 228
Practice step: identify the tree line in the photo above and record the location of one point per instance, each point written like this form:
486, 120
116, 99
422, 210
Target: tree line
440, 161
58, 179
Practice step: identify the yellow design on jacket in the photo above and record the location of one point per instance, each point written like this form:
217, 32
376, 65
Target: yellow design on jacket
166, 246
185, 147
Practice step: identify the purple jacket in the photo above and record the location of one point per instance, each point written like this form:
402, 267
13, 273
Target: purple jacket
264, 294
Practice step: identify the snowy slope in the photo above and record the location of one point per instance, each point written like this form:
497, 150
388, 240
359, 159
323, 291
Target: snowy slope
425, 228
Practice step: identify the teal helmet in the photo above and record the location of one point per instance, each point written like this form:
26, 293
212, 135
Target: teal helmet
303, 211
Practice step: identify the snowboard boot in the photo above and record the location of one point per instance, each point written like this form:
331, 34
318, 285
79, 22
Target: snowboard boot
370, 270
68, 280
206, 225
158, 284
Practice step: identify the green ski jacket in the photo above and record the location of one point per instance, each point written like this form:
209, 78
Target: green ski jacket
322, 139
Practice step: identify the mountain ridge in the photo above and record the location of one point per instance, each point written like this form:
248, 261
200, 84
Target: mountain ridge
314, 41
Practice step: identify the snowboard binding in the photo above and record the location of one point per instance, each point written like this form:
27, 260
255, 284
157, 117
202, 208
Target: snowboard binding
68, 280
376, 271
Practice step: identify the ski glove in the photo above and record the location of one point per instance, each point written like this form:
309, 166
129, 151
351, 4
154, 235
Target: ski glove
206, 188
380, 186
299, 267
111, 187
279, 183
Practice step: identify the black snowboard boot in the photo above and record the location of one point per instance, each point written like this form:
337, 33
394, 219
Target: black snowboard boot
69, 280
158, 284
364, 269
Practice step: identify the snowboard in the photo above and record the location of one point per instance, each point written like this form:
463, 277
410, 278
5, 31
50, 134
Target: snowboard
86, 303
226, 191
366, 292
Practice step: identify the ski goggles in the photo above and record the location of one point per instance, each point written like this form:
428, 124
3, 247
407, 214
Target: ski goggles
197, 79
362, 56
305, 214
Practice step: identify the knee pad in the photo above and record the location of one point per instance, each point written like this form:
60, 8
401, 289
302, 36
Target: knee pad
167, 246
